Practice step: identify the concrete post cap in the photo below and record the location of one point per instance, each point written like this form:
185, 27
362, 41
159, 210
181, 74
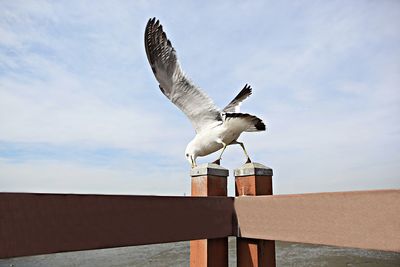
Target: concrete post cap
209, 169
253, 168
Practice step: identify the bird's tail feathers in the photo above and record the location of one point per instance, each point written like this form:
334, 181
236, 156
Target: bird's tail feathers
250, 123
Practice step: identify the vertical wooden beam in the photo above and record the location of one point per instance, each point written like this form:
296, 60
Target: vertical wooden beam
209, 180
254, 179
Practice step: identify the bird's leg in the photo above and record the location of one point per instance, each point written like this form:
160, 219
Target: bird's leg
244, 150
193, 162
218, 161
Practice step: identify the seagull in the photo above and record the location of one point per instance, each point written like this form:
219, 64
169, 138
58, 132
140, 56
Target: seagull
215, 129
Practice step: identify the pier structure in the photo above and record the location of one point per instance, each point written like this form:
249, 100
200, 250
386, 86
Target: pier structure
33, 224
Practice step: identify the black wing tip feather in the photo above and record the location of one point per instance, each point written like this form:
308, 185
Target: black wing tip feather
152, 21
243, 94
155, 29
156, 41
157, 45
247, 90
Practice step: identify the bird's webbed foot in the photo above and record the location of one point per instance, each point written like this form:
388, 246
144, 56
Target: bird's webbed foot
248, 160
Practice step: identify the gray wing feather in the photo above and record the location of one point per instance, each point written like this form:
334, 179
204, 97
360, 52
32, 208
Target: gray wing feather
234, 105
174, 84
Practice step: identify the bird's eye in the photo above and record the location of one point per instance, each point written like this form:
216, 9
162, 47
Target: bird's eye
187, 155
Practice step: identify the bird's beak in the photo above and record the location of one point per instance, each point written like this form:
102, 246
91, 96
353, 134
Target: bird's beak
193, 162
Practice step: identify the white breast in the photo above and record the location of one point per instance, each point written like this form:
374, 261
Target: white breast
209, 141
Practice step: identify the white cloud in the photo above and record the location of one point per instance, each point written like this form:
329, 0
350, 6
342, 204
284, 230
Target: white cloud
65, 177
71, 115
325, 79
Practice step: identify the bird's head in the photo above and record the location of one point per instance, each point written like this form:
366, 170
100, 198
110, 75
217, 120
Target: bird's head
191, 154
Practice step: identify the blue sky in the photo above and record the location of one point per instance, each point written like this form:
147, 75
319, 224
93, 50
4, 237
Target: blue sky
81, 112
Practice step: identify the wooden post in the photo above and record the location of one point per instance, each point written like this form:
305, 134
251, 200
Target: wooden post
209, 180
254, 179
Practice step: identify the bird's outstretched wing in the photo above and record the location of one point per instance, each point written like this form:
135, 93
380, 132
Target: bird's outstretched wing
234, 105
173, 82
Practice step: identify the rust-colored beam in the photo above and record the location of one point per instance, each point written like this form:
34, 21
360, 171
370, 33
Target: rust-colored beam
32, 224
361, 219
209, 180
254, 179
